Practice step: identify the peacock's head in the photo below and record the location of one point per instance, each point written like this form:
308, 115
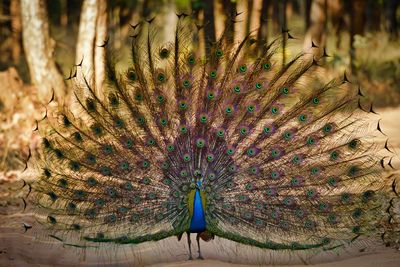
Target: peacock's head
199, 184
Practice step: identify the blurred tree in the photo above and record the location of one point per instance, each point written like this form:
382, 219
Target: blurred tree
92, 39
356, 9
230, 13
73, 12
262, 34
373, 15
337, 18
275, 16
64, 13
317, 30
249, 14
39, 50
16, 29
392, 7
284, 29
209, 25
307, 14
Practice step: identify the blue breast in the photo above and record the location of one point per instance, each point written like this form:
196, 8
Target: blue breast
198, 223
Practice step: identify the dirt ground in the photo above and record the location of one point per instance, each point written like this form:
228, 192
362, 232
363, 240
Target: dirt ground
21, 249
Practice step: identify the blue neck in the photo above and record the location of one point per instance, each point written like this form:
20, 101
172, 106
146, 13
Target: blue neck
198, 222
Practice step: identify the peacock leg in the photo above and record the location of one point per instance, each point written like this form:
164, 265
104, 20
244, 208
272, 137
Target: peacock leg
190, 246
198, 245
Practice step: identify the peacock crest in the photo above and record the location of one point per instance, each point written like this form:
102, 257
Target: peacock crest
233, 144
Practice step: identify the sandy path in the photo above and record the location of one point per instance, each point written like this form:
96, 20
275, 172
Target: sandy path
19, 249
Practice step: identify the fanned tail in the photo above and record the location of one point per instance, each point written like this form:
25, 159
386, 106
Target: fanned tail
285, 161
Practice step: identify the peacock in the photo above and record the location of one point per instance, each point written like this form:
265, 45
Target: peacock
234, 143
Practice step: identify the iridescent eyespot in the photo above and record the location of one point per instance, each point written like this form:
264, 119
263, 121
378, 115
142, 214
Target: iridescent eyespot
184, 129
146, 164
131, 75
183, 105
266, 66
138, 97
160, 99
310, 141
186, 83
251, 152
220, 133
191, 60
161, 77
243, 131
250, 109
163, 122
328, 128
353, 143
164, 53
187, 157
230, 151
287, 135
200, 143
274, 110
334, 155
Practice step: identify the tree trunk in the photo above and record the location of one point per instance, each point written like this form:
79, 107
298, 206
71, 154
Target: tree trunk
249, 15
209, 25
275, 17
316, 31
92, 34
307, 14
284, 29
100, 52
357, 22
392, 18
336, 10
64, 13
39, 49
16, 28
262, 34
230, 14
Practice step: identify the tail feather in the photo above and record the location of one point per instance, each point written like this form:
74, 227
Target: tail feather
286, 162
